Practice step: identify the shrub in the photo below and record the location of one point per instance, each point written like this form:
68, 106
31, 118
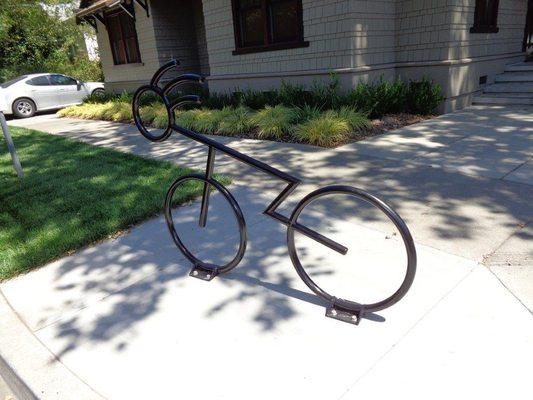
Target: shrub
274, 122
256, 100
235, 121
307, 113
423, 97
291, 95
326, 130
378, 98
100, 98
217, 100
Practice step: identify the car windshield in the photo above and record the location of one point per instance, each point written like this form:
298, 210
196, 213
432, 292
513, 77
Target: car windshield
12, 81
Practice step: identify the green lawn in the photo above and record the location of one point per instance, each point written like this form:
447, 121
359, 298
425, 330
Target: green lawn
73, 194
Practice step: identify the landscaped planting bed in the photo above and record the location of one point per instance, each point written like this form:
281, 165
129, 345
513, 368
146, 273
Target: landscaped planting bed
321, 115
74, 194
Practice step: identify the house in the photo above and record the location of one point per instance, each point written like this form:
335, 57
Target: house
460, 44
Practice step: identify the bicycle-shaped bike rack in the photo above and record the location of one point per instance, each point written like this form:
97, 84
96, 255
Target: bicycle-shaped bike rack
344, 310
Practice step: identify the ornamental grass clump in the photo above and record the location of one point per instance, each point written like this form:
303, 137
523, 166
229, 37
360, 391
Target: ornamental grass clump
110, 111
357, 121
326, 130
117, 111
237, 120
154, 115
202, 120
274, 122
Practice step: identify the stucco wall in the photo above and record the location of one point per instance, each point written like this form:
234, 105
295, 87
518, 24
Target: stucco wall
347, 36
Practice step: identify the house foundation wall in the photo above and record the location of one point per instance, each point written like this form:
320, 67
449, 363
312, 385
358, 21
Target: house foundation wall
459, 79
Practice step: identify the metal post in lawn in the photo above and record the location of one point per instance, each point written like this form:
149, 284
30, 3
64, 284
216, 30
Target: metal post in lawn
11, 146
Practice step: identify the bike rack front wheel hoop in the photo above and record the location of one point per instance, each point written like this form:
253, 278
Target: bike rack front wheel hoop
201, 269
353, 310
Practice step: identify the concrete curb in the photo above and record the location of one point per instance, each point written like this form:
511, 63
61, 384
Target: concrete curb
30, 370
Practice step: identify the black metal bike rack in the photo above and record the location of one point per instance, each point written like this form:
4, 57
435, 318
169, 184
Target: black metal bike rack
341, 309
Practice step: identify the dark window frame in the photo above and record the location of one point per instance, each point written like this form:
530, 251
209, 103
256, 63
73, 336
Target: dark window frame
268, 44
486, 22
110, 18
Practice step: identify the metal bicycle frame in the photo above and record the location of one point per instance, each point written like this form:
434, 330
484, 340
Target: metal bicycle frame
292, 184
344, 310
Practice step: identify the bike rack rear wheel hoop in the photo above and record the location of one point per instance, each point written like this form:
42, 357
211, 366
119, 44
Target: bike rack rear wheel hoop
346, 310
203, 270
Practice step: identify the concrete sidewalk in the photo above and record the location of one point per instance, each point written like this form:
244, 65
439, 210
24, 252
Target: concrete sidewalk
122, 320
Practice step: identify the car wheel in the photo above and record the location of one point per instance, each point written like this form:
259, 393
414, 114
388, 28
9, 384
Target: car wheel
98, 92
24, 108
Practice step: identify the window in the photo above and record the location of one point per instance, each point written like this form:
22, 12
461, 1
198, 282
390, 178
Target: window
62, 80
486, 17
39, 81
263, 25
122, 38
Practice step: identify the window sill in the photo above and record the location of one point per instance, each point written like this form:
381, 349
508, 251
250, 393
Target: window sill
484, 29
270, 47
139, 64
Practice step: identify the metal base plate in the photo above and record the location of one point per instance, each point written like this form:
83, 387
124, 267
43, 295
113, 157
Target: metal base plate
203, 273
344, 315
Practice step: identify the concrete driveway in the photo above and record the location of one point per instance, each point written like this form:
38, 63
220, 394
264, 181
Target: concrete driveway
122, 320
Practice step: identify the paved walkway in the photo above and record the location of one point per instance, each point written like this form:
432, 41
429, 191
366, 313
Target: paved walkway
121, 320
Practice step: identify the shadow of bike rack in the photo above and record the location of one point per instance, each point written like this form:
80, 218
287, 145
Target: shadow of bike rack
340, 309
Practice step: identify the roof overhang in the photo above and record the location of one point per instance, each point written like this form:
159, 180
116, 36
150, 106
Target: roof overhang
97, 8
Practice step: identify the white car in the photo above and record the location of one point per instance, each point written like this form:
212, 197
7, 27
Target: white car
25, 95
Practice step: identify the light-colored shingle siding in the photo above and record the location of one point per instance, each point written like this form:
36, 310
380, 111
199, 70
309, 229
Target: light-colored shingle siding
434, 40
511, 23
199, 25
341, 34
422, 30
175, 33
